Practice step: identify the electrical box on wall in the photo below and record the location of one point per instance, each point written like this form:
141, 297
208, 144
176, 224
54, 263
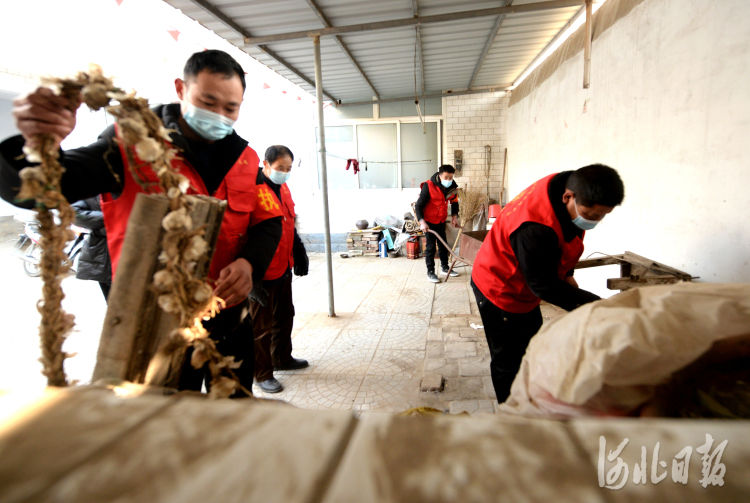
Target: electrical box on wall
458, 160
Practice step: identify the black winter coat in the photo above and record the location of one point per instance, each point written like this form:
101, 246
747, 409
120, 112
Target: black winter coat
94, 261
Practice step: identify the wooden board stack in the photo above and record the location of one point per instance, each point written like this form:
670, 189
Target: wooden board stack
365, 241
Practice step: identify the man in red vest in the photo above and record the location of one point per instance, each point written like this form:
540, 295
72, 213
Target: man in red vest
213, 157
271, 303
529, 255
432, 211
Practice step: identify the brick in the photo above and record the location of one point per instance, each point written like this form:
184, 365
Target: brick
474, 367
460, 349
435, 334
432, 382
434, 349
461, 406
454, 321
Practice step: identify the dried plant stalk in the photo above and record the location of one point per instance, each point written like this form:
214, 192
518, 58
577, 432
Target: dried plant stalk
471, 204
181, 293
42, 183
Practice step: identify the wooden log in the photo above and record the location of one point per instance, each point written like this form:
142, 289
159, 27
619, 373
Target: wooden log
135, 329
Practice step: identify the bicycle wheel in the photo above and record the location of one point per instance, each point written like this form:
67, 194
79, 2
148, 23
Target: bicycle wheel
31, 259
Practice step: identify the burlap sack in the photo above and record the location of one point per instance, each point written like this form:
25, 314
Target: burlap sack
605, 358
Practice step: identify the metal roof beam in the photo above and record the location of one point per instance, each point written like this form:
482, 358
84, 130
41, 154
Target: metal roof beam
488, 44
319, 12
396, 23
242, 31
418, 29
494, 89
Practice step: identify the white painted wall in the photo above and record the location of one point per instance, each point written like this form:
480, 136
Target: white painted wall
669, 108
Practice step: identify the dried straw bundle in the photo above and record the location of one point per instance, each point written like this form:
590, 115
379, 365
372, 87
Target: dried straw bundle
181, 293
471, 204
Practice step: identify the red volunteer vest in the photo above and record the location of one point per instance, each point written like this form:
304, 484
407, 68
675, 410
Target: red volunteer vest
495, 271
283, 258
436, 209
245, 204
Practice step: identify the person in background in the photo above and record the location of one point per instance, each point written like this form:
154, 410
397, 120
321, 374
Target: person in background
213, 157
529, 256
432, 212
271, 305
93, 262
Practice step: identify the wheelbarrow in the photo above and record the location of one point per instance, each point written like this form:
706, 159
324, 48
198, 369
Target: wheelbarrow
469, 244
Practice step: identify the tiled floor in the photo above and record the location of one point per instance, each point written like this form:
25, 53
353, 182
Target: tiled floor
391, 327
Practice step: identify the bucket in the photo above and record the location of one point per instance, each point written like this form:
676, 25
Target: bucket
412, 248
494, 210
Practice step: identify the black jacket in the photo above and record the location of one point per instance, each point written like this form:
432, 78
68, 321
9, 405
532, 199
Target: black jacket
424, 196
93, 263
98, 168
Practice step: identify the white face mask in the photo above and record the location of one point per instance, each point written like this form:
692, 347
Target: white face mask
208, 124
277, 177
583, 223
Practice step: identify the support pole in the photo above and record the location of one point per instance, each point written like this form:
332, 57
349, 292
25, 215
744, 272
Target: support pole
587, 48
323, 171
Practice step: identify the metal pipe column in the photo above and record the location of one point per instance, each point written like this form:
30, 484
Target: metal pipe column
323, 171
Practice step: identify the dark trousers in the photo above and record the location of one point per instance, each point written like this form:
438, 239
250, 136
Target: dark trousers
508, 335
105, 289
272, 327
429, 252
232, 330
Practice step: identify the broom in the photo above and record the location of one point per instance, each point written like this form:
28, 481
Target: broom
471, 204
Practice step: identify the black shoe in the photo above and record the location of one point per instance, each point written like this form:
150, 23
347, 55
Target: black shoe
293, 364
432, 277
453, 273
271, 385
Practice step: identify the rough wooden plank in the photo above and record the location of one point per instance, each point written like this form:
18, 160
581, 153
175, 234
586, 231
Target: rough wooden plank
625, 283
164, 366
206, 450
447, 459
134, 327
596, 262
42, 444
126, 312
655, 267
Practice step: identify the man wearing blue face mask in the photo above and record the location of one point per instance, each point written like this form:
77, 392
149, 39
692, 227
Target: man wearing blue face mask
213, 157
432, 211
529, 255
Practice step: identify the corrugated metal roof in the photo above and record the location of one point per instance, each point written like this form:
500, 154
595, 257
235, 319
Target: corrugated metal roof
388, 57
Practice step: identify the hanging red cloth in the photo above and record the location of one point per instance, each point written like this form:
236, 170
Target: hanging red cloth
354, 163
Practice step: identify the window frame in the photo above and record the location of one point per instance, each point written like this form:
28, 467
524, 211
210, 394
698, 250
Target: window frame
354, 123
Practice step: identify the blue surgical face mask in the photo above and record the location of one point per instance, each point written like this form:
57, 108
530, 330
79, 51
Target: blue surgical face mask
277, 177
583, 223
209, 125
446, 183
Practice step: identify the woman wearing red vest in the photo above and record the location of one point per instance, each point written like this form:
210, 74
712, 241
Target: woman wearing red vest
271, 305
529, 255
214, 158
432, 211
